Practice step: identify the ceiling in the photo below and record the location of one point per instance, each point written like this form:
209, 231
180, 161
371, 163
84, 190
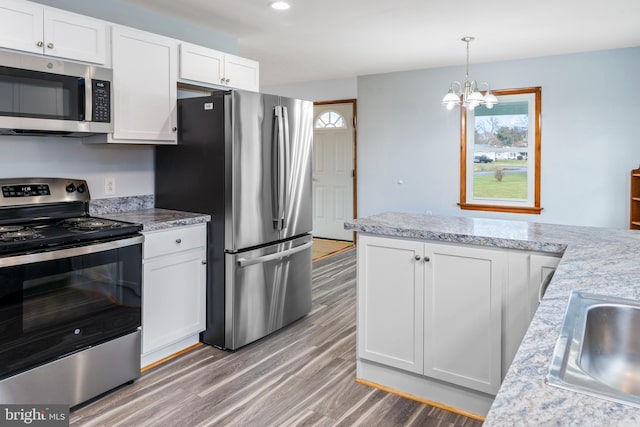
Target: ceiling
328, 39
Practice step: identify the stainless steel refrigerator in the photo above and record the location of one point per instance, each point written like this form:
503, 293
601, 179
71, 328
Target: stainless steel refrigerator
245, 159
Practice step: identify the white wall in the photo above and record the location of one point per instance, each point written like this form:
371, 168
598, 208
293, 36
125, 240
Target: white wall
131, 166
589, 137
320, 90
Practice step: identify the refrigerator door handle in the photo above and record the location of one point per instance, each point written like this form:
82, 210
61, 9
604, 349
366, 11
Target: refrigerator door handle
277, 179
244, 262
286, 167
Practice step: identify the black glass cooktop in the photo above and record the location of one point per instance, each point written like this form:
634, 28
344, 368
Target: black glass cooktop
45, 233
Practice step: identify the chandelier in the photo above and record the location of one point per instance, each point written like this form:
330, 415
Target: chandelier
468, 94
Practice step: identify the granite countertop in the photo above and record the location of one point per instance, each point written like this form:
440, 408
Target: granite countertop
153, 219
598, 260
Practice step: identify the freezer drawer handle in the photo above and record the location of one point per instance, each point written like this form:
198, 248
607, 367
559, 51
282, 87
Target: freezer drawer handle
244, 262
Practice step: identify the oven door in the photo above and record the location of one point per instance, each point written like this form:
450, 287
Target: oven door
58, 302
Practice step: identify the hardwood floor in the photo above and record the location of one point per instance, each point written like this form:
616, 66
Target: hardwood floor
302, 375
323, 248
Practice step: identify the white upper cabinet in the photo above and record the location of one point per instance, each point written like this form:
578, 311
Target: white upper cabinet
144, 81
211, 67
241, 73
30, 27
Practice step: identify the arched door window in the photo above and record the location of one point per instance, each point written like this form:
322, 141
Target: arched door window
330, 119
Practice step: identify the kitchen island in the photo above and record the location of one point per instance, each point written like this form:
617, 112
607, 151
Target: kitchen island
601, 261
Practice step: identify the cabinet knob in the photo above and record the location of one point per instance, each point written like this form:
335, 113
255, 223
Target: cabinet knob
417, 257
178, 240
427, 259
174, 128
227, 80
50, 45
40, 43
204, 262
222, 80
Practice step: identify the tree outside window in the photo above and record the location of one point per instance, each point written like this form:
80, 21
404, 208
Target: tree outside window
500, 154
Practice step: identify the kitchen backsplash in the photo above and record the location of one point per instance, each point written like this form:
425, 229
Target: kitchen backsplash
99, 207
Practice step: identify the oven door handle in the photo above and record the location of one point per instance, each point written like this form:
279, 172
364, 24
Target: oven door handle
12, 261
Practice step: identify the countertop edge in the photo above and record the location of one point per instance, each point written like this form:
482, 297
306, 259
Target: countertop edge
154, 219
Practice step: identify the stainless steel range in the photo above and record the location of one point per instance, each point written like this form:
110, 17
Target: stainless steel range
70, 295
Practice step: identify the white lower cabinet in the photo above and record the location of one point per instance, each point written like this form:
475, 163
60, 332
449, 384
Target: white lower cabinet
390, 303
463, 315
431, 309
174, 286
527, 271
445, 313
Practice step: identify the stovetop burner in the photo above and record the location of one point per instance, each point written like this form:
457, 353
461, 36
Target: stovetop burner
10, 228
82, 224
17, 233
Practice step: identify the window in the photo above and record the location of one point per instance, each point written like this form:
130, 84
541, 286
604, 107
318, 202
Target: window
330, 119
500, 154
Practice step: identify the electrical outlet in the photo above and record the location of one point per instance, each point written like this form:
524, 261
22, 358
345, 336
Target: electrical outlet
109, 186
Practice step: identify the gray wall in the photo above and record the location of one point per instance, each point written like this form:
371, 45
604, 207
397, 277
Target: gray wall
131, 166
589, 137
320, 90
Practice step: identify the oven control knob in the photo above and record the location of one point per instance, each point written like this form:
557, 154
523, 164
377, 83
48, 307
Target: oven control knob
71, 188
77, 332
82, 188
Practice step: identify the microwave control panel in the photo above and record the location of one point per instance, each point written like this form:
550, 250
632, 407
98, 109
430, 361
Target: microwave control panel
101, 95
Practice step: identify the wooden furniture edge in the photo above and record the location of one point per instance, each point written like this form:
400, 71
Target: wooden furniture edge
170, 357
421, 400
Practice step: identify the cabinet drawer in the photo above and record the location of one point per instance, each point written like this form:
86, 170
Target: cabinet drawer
164, 242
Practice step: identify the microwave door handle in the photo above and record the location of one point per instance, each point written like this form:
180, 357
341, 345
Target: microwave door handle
84, 102
286, 176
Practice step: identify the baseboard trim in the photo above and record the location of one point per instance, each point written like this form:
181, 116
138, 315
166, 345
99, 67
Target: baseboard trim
421, 400
170, 357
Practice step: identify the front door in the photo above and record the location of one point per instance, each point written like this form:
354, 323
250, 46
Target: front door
333, 169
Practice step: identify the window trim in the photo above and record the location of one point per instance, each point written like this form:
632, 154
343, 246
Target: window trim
536, 208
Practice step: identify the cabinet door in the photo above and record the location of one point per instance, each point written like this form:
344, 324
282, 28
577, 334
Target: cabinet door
526, 273
200, 64
241, 73
21, 26
145, 78
67, 35
541, 266
173, 300
390, 295
463, 316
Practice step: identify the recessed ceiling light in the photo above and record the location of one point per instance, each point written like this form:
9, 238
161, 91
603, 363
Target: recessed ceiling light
280, 5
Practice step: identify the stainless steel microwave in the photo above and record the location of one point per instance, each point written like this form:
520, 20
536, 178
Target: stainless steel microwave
46, 96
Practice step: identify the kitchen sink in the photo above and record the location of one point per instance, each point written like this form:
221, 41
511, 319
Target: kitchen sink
598, 351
